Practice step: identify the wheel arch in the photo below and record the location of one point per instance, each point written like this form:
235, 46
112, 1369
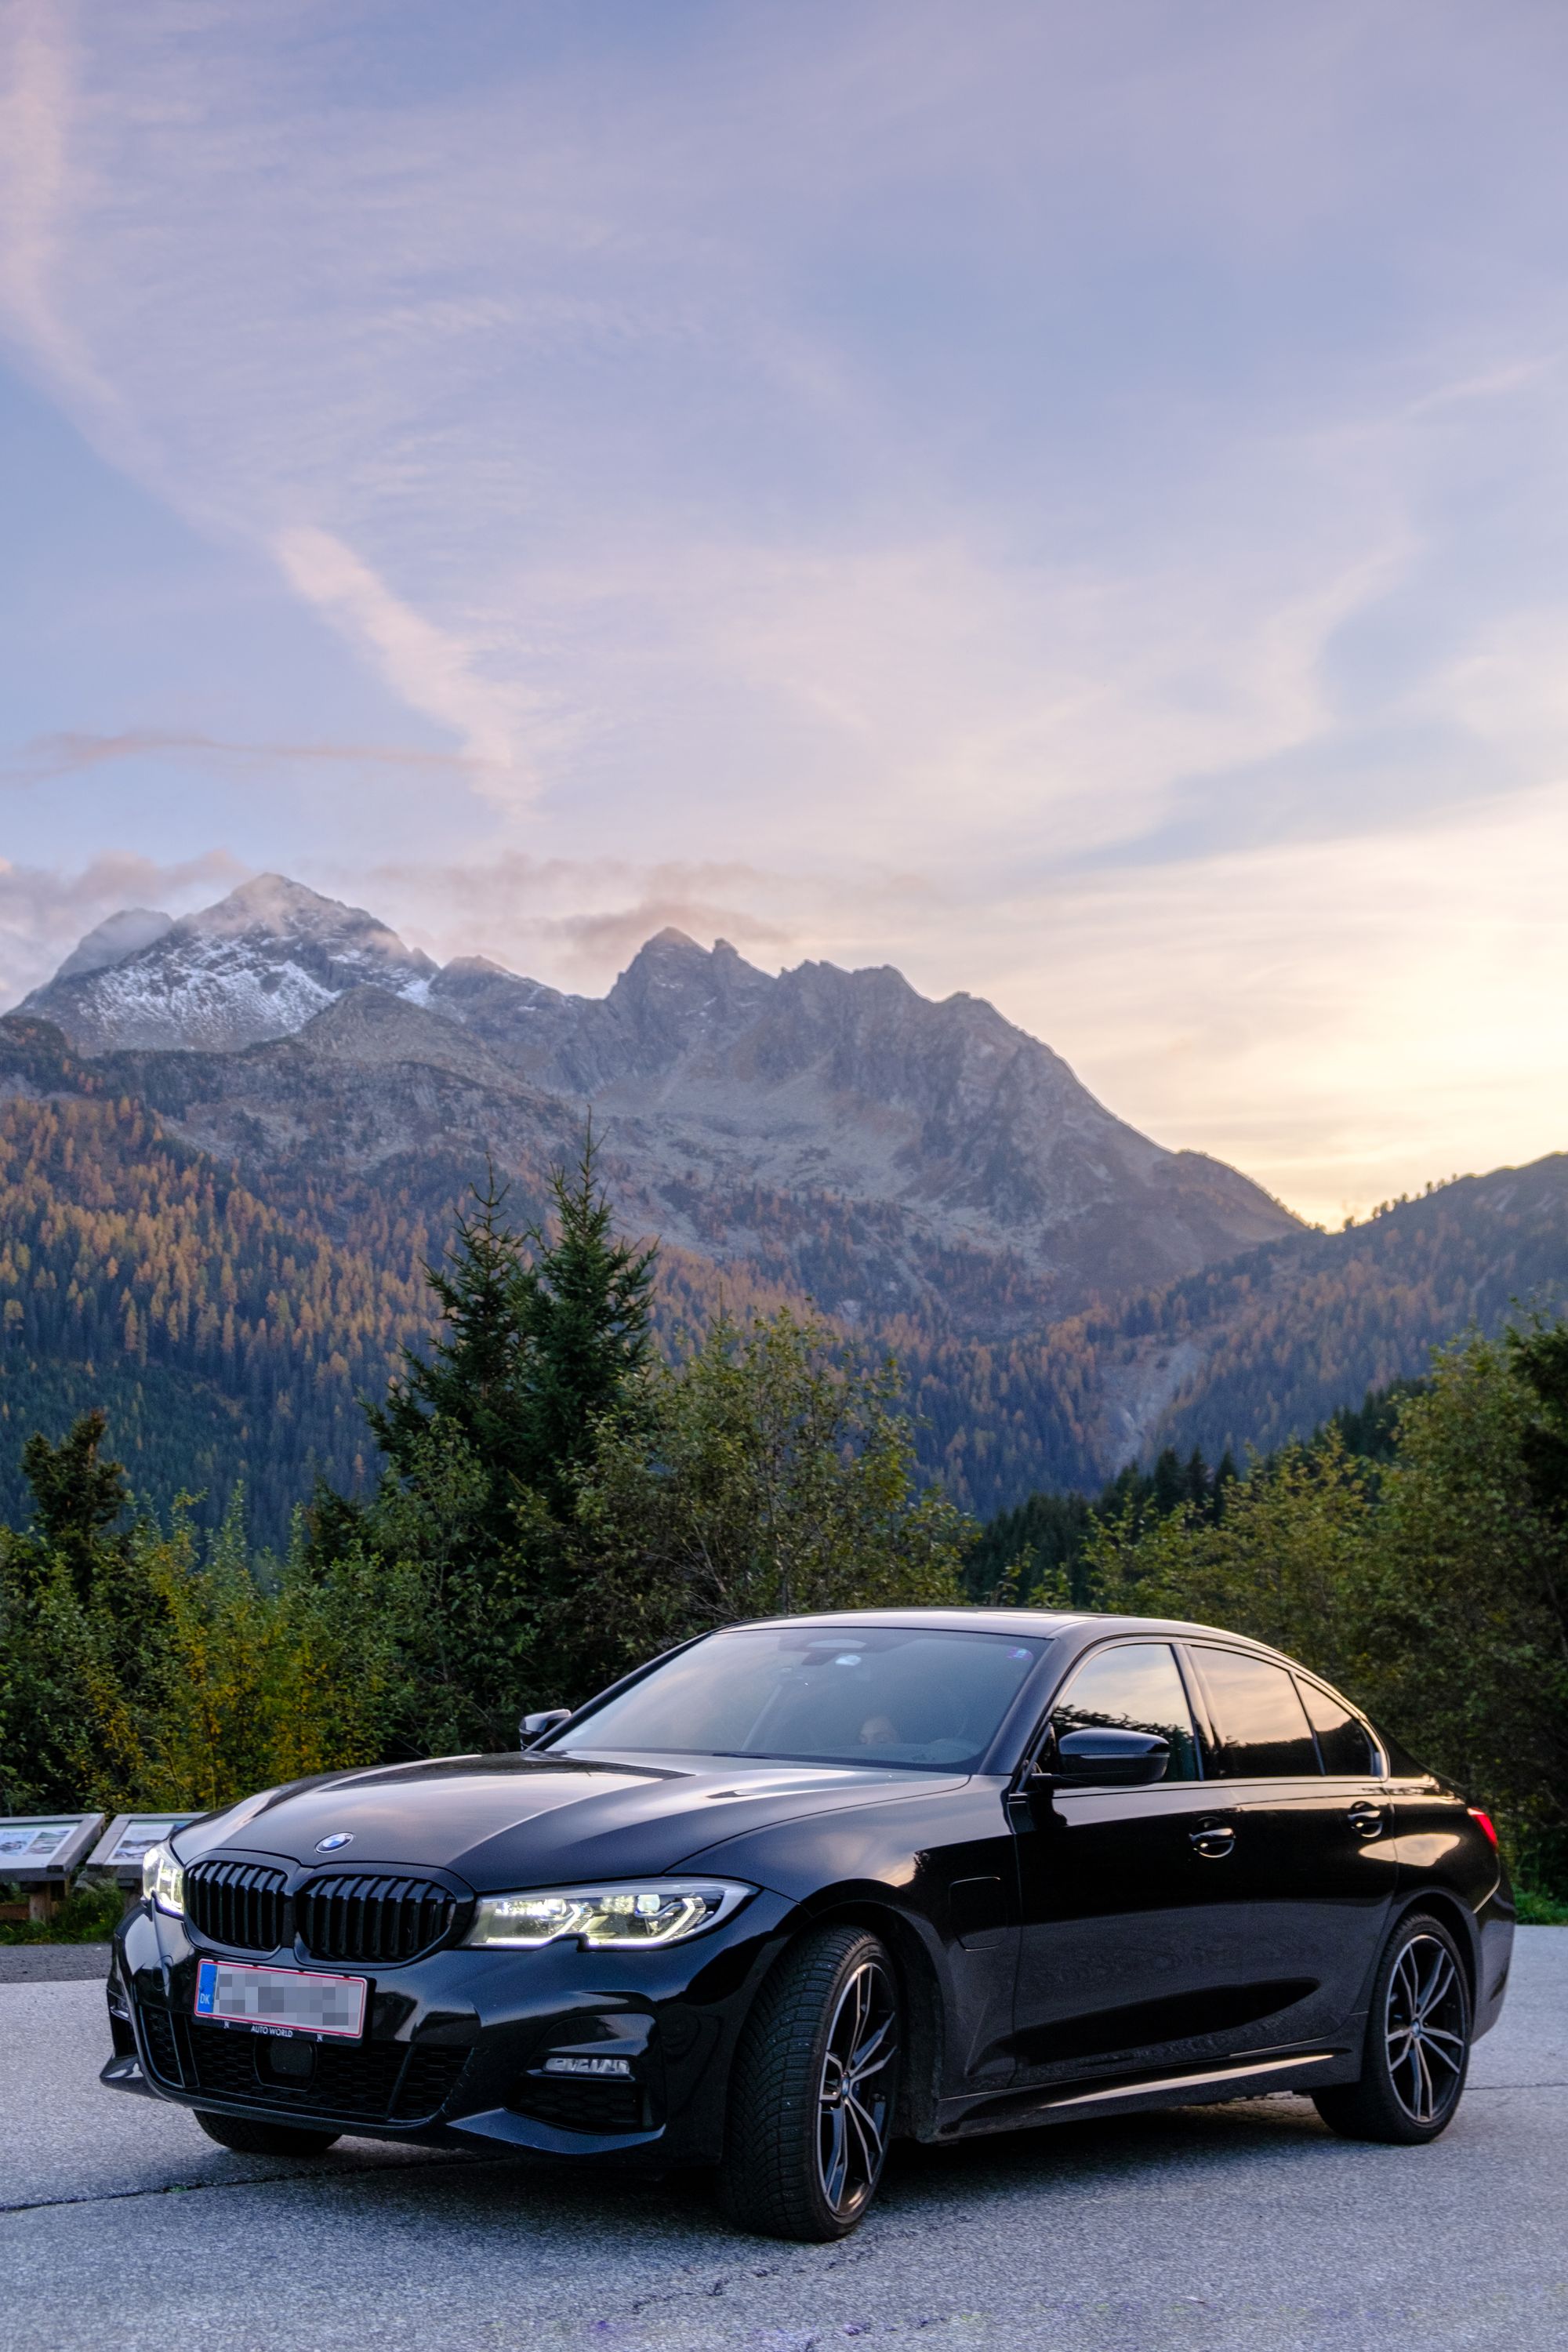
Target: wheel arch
920, 2087
1440, 1904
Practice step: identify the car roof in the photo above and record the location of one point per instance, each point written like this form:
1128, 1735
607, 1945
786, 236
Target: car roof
1044, 1623
953, 1620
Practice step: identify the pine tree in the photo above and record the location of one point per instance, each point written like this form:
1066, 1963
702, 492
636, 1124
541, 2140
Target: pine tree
543, 1344
1197, 1481
1170, 1486
588, 1309
1224, 1479
473, 1381
543, 1338
78, 1498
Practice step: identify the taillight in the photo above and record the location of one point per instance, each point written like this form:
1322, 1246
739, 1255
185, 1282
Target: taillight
1485, 1820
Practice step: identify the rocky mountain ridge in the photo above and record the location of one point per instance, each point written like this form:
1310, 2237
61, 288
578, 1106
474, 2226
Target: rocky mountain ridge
280, 1025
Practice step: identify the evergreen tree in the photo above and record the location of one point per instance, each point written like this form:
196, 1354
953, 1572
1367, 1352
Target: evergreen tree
535, 1350
81, 1630
1025, 1553
541, 1355
588, 1310
1170, 1486
1197, 1496
1224, 1479
78, 1498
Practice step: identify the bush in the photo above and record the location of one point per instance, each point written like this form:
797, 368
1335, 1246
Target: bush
1435, 1596
89, 1914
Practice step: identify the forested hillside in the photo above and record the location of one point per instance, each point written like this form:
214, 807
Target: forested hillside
230, 1338
230, 1313
1242, 1356
227, 1341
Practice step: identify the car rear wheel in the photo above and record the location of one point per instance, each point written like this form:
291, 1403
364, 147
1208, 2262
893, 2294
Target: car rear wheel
1417, 2042
248, 2138
813, 2094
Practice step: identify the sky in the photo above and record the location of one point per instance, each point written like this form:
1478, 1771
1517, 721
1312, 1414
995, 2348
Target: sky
1071, 501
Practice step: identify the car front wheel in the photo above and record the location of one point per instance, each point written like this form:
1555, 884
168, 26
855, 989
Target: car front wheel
1417, 2042
248, 2138
813, 2094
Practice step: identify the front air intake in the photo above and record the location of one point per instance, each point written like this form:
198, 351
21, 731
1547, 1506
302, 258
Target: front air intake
365, 1916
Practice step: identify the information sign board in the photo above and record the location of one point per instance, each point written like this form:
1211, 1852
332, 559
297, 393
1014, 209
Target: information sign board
37, 1847
120, 1850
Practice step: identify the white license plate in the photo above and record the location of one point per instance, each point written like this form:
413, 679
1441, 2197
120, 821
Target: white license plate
234, 1994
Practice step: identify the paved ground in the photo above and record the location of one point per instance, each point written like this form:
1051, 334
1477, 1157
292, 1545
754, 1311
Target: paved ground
1245, 2229
53, 1963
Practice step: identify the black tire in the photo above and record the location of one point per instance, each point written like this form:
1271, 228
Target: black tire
248, 2138
815, 2090
1417, 2042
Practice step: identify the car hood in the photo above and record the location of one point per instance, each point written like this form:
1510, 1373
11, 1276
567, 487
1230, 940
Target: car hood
528, 1821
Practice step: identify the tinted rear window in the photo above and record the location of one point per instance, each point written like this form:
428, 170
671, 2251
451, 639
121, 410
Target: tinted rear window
1262, 1731
1342, 1742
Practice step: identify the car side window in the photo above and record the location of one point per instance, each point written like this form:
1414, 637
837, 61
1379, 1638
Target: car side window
1262, 1731
1136, 1686
1343, 1742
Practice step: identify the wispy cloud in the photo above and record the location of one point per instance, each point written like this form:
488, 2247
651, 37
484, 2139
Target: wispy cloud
535, 416
1032, 495
577, 922
432, 671
50, 757
43, 911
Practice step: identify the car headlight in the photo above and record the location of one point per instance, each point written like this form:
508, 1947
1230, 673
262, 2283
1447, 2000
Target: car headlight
638, 1912
164, 1880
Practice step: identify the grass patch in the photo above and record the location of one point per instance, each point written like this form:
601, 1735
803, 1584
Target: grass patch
89, 1914
1539, 1910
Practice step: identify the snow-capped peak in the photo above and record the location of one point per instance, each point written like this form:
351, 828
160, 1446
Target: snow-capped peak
259, 964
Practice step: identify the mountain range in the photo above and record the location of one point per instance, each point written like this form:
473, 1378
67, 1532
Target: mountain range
923, 1133
228, 1142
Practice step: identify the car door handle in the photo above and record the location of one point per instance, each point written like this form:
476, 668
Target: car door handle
1366, 1820
1213, 1840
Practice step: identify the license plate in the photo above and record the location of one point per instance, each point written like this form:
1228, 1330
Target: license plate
274, 2000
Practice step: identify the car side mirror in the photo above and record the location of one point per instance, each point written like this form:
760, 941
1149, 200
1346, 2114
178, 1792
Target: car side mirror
532, 1728
1103, 1758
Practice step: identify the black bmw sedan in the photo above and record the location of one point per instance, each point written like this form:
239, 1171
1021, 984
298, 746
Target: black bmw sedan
799, 1887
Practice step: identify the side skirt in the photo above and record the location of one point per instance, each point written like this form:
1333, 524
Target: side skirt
1198, 2085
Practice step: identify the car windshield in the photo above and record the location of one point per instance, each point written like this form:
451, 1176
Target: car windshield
910, 1695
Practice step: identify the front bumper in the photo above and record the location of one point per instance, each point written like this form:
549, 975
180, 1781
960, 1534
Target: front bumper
454, 2045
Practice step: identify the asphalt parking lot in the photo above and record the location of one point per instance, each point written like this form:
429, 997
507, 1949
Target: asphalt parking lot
1245, 2227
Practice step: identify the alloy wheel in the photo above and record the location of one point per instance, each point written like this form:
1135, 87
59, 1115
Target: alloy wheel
854, 2094
1427, 2029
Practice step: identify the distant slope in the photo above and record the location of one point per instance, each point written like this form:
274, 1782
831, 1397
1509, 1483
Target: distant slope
227, 1340
1248, 1354
230, 1331
1266, 1348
